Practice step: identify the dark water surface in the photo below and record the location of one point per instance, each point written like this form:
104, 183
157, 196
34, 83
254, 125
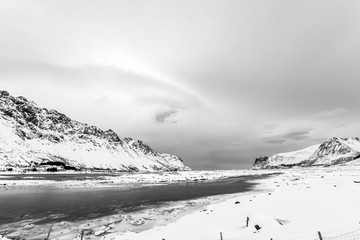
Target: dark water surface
55, 205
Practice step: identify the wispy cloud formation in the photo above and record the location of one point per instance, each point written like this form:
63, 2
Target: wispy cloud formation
269, 128
337, 112
295, 135
190, 77
237, 143
274, 140
166, 117
168, 109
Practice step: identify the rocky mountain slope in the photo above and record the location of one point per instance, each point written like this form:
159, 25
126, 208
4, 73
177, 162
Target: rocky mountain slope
331, 152
40, 139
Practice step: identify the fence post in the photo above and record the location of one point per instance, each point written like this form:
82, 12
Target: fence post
320, 237
47, 238
82, 234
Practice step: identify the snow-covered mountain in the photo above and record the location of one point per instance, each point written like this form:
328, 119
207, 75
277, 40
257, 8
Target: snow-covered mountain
40, 139
331, 152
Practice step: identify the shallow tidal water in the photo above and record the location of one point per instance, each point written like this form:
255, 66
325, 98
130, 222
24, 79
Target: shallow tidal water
55, 205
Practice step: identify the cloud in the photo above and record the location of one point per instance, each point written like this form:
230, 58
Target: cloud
270, 127
168, 109
101, 100
102, 95
295, 135
166, 117
332, 113
273, 140
83, 76
159, 100
168, 80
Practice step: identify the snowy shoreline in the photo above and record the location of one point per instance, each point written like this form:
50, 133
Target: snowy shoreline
293, 205
136, 221
90, 180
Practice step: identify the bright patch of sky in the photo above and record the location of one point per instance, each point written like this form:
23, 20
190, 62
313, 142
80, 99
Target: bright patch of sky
216, 82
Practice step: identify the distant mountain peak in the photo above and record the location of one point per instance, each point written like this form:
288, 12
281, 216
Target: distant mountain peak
34, 137
331, 152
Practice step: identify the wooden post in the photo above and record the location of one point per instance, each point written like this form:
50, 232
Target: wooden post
221, 238
82, 234
320, 237
47, 238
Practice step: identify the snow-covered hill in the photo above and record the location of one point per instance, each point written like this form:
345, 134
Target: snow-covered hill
331, 152
42, 139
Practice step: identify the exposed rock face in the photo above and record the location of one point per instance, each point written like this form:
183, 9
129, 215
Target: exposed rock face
261, 162
331, 152
31, 137
336, 150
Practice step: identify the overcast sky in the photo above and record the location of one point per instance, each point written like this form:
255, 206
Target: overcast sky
216, 82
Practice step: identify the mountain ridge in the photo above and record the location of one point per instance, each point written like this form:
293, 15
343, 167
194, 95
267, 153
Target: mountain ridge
331, 152
33, 137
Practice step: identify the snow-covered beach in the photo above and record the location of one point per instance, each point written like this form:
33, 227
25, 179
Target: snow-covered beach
293, 205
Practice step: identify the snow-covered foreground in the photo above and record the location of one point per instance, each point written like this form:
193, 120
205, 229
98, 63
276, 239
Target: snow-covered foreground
294, 205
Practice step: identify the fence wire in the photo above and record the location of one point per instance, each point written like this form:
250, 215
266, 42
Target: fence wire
354, 235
